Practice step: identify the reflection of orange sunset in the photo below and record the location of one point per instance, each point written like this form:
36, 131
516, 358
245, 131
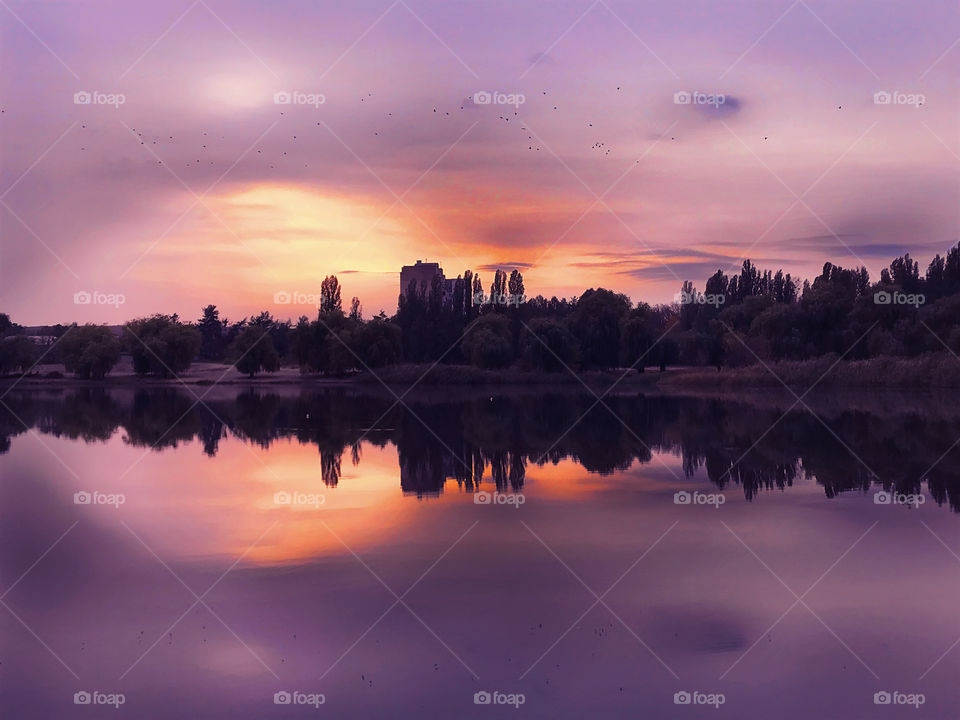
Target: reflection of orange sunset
236, 503
231, 502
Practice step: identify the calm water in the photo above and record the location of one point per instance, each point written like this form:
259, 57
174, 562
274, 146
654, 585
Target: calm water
399, 559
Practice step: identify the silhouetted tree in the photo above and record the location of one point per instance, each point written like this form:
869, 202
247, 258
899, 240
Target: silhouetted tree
90, 351
211, 330
161, 345
253, 351
330, 295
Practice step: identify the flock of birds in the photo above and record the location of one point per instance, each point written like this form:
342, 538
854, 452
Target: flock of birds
204, 147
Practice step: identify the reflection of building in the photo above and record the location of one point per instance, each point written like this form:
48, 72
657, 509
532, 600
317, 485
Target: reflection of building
422, 274
425, 473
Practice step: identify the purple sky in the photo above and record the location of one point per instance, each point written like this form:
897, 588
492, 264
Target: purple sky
290, 193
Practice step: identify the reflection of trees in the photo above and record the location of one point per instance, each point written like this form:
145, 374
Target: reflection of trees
161, 418
90, 414
86, 414
499, 438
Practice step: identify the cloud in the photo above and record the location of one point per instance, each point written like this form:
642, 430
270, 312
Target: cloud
862, 245
669, 264
539, 58
505, 266
730, 106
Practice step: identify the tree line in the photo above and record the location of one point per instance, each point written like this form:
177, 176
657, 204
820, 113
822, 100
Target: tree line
737, 319
474, 438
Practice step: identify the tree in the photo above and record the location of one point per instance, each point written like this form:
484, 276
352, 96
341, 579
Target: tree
435, 296
596, 324
905, 273
161, 345
637, 336
308, 342
547, 345
468, 299
477, 291
515, 288
377, 343
253, 351
486, 343
356, 310
90, 351
330, 295
211, 334
17, 352
498, 288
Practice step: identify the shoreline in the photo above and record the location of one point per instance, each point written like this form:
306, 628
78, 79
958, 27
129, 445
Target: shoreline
931, 371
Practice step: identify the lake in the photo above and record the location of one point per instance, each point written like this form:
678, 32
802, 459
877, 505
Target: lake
465, 553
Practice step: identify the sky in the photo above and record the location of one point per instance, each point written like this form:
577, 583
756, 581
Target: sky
188, 180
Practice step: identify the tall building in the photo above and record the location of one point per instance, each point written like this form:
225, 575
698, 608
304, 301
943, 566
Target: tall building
422, 273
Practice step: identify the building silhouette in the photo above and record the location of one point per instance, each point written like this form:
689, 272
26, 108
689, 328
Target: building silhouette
423, 273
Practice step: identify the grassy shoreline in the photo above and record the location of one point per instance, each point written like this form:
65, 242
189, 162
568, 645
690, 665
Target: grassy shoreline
936, 370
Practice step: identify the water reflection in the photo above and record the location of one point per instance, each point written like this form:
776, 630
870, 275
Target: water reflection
494, 598
467, 435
